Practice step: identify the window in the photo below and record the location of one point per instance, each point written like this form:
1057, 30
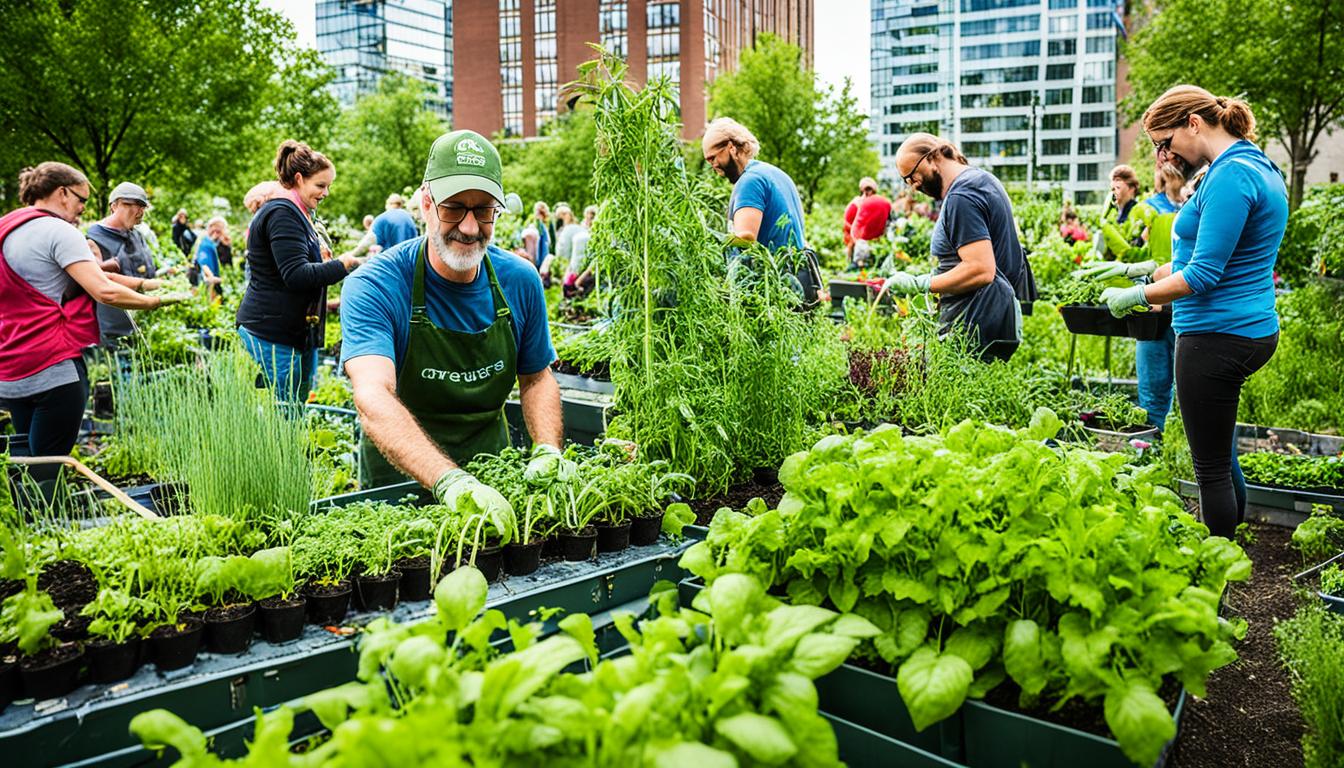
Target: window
664, 15
1065, 47
1064, 25
511, 66
1055, 146
547, 78
922, 126
1101, 44
913, 88
992, 100
1059, 72
1056, 5
1055, 96
923, 106
914, 69
984, 149
1096, 120
969, 6
1094, 145
1100, 20
1001, 26
1056, 122
1098, 94
1089, 171
664, 41
1010, 172
1052, 172
995, 124
611, 26
1004, 75
1099, 71
1000, 50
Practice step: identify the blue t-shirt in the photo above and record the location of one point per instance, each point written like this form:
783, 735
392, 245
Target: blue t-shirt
769, 190
376, 306
393, 227
1225, 242
1161, 203
543, 242
207, 255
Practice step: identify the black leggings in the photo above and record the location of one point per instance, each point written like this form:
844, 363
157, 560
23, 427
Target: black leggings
1210, 369
51, 419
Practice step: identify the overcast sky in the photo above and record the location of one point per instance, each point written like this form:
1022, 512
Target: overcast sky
841, 38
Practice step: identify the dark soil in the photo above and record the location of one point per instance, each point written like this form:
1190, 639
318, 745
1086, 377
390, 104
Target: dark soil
420, 561
72, 628
70, 584
600, 371
187, 624
50, 657
736, 498
10, 587
1249, 717
225, 613
327, 590
277, 602
1077, 714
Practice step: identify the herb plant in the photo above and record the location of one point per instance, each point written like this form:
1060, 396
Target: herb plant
1311, 645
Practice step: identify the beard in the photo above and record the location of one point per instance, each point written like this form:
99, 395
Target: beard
732, 171
449, 246
932, 185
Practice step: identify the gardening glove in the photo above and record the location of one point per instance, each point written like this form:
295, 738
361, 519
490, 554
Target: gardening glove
456, 484
1123, 301
173, 298
904, 283
1107, 269
548, 465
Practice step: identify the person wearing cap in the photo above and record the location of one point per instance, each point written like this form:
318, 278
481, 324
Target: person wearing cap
119, 241
436, 332
282, 317
869, 222
394, 225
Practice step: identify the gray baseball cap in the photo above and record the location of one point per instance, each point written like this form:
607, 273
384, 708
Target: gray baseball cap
128, 191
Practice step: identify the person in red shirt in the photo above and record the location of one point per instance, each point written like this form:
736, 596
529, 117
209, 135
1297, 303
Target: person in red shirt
871, 211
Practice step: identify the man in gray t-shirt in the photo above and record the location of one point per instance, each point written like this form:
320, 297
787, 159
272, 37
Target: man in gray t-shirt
118, 238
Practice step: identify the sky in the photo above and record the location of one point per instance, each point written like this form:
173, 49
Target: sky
841, 38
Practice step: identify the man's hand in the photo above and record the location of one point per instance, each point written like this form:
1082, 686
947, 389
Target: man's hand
458, 484
904, 283
549, 465
1123, 301
1105, 270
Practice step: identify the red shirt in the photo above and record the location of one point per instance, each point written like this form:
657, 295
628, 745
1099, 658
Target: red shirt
871, 221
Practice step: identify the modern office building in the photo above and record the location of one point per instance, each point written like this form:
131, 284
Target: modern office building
1026, 88
514, 56
364, 39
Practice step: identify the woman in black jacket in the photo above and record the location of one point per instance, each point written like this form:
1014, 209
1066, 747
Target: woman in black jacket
283, 314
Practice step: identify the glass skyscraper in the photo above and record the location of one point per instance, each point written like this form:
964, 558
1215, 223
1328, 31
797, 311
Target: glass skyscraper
1026, 88
364, 39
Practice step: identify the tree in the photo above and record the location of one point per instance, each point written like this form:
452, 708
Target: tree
813, 134
1287, 61
170, 92
382, 143
558, 167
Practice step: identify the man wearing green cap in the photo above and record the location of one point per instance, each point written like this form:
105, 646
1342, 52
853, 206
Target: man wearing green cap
435, 331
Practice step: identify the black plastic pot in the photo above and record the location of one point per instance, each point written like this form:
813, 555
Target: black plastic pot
102, 400
550, 547
377, 593
765, 475
328, 605
11, 684
1148, 326
579, 546
522, 559
490, 562
173, 648
613, 538
112, 662
415, 586
644, 531
52, 673
282, 620
228, 630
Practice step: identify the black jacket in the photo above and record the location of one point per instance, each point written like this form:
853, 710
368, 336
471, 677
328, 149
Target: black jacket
286, 298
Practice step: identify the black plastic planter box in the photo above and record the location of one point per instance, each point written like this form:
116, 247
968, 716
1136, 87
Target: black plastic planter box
872, 701
861, 746
1092, 320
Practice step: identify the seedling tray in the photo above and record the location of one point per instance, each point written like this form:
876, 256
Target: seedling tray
218, 692
578, 383
1092, 320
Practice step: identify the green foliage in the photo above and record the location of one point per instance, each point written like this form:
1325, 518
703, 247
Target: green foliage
982, 553
1314, 241
1302, 386
557, 167
816, 135
266, 573
25, 618
380, 145
192, 92
1311, 645
1294, 471
1332, 580
739, 664
1320, 535
116, 614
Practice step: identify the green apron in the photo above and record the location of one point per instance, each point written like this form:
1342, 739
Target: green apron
454, 383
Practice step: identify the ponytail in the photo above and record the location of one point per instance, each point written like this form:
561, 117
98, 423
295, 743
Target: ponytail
41, 181
295, 158
1176, 106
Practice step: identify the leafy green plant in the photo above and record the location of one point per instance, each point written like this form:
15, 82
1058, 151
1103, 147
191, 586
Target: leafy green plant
265, 573
1311, 646
1320, 535
983, 554
1302, 386
1294, 470
1332, 580
116, 614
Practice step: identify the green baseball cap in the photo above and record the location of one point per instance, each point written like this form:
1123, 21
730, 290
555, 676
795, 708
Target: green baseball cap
462, 160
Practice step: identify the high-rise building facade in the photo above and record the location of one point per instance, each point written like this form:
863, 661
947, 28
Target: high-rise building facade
514, 56
1026, 88
364, 39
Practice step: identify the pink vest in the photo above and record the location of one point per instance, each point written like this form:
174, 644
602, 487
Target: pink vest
36, 332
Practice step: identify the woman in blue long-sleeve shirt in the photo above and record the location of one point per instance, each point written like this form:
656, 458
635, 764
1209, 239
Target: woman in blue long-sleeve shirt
1221, 282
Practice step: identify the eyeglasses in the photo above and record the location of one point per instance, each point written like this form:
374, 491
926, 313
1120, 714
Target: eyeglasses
1160, 147
453, 214
83, 199
906, 178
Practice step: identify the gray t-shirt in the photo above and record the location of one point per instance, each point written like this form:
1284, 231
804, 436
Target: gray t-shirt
39, 252
135, 260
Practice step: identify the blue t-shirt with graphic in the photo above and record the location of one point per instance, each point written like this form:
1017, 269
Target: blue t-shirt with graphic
376, 306
769, 190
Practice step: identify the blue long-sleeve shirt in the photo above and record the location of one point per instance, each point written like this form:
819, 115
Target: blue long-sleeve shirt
1225, 243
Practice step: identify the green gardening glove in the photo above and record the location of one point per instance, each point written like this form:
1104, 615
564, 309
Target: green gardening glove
1123, 301
548, 465
1105, 270
905, 284
458, 484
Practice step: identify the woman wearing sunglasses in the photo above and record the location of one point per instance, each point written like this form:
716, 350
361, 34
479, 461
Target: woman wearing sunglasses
282, 318
1220, 283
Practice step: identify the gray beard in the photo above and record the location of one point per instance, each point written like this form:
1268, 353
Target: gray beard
455, 259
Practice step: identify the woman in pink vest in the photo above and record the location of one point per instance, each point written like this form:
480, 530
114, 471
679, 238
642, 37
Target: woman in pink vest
49, 281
